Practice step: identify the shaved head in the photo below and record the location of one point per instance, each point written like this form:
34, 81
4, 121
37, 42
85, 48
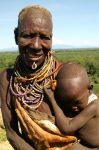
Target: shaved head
72, 70
34, 12
71, 78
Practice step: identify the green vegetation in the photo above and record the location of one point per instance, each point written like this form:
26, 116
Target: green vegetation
7, 59
89, 58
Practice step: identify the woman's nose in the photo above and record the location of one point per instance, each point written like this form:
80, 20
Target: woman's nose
35, 43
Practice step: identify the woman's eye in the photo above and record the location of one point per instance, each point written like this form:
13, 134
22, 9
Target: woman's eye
26, 36
43, 37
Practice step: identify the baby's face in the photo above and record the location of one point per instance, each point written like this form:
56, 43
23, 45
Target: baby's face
79, 101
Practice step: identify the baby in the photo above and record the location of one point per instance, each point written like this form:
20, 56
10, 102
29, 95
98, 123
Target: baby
74, 91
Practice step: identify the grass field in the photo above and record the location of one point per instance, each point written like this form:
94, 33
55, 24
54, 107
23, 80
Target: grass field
81, 56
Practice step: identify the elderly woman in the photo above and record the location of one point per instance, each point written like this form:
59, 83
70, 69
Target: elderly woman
22, 86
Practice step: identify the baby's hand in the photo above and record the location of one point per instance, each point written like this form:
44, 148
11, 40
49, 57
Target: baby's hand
49, 93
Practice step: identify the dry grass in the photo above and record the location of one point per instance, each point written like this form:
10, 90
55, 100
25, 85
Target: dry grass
4, 144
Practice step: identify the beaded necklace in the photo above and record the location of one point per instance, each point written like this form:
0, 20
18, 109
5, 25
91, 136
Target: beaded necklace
29, 90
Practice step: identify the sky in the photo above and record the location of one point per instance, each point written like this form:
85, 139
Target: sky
75, 22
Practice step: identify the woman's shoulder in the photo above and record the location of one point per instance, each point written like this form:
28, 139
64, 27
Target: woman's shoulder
5, 74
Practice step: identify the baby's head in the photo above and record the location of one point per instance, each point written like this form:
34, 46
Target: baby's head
73, 85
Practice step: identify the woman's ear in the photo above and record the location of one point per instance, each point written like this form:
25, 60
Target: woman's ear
16, 35
53, 84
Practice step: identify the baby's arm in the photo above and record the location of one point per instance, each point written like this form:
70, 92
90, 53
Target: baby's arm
66, 124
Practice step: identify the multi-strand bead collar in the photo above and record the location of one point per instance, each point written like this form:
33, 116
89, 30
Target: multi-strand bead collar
29, 90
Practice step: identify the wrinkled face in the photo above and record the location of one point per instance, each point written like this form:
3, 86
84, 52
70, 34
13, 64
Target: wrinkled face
74, 93
34, 39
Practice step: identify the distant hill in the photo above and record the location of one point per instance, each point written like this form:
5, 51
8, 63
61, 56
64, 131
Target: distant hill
69, 47
61, 46
54, 47
11, 49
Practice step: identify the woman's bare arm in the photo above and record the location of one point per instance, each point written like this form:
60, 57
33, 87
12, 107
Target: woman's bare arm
10, 119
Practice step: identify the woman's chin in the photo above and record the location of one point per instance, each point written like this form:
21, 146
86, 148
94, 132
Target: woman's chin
34, 62
34, 65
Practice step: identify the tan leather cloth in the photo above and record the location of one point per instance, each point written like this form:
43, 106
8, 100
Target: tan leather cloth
41, 130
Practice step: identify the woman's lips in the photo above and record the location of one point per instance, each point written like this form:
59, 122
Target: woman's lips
35, 58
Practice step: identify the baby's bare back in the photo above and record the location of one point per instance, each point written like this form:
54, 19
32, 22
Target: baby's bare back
89, 133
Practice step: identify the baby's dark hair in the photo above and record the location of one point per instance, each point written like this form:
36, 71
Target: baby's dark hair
67, 74
71, 70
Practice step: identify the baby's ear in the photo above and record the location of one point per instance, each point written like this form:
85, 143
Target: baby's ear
53, 84
90, 87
